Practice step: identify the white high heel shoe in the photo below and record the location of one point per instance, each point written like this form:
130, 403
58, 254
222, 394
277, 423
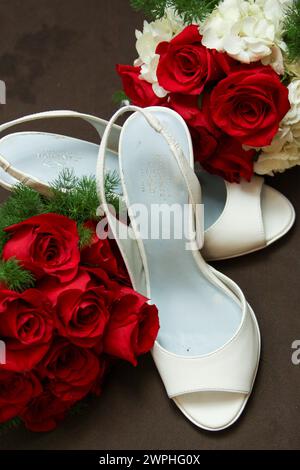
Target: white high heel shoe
239, 218
208, 348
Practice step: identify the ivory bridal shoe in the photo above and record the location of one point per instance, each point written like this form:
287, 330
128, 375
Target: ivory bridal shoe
208, 348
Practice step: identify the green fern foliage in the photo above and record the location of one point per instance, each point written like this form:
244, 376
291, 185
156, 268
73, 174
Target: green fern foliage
152, 8
292, 31
190, 10
14, 276
77, 197
74, 197
85, 235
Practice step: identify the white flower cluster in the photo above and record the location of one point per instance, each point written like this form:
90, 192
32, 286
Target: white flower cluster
284, 152
247, 30
147, 40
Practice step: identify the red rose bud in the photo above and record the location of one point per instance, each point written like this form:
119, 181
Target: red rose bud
99, 252
138, 91
133, 326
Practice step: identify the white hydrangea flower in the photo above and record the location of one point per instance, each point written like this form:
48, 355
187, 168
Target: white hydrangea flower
284, 152
275, 59
247, 30
153, 33
278, 161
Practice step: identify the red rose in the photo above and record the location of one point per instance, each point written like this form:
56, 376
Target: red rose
26, 326
185, 65
82, 306
138, 91
83, 313
99, 252
229, 160
82, 316
122, 274
201, 128
204, 144
45, 244
193, 110
133, 326
71, 370
16, 390
106, 364
187, 106
86, 277
104, 253
249, 105
45, 412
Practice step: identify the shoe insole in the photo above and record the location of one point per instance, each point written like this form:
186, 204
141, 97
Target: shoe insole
196, 316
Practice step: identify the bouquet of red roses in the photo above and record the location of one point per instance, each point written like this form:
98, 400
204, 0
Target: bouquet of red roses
231, 69
67, 309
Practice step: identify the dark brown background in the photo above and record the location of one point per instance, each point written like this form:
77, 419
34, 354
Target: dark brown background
61, 55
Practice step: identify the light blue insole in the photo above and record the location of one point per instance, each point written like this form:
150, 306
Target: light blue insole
196, 317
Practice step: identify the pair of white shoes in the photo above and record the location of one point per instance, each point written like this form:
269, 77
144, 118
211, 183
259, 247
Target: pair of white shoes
208, 348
